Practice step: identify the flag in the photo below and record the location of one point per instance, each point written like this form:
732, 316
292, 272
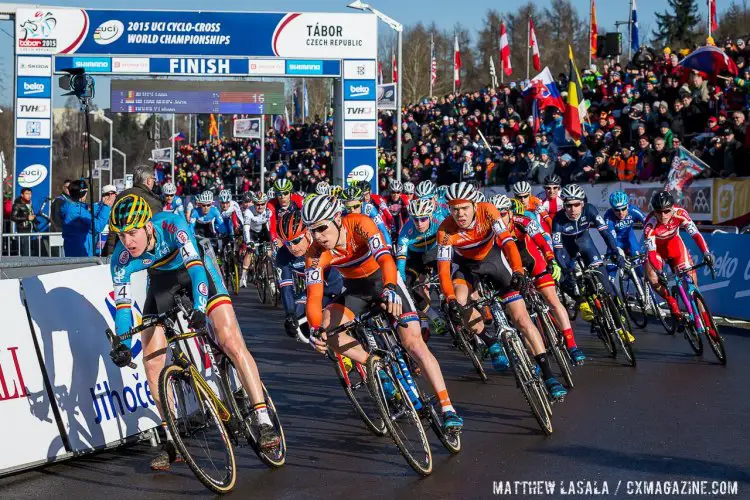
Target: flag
712, 15
571, 115
394, 67
594, 30
177, 137
685, 168
213, 128
297, 110
493, 73
710, 60
380, 73
544, 91
306, 101
505, 50
456, 64
536, 115
634, 43
433, 63
534, 47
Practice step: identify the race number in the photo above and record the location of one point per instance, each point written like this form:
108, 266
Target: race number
445, 253
188, 252
313, 276
375, 242
122, 294
498, 227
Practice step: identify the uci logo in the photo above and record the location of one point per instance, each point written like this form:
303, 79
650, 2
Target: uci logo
109, 32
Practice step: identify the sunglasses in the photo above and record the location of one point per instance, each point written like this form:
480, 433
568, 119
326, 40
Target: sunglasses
320, 229
624, 209
280, 194
503, 213
522, 196
295, 241
421, 219
551, 188
353, 206
204, 205
573, 205
664, 211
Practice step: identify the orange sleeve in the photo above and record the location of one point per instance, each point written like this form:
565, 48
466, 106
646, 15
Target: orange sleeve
365, 228
445, 253
315, 266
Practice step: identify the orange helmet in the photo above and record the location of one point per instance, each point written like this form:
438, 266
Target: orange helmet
291, 225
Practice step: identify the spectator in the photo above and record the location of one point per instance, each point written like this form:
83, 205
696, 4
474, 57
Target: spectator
734, 163
57, 203
625, 165
76, 220
22, 213
542, 167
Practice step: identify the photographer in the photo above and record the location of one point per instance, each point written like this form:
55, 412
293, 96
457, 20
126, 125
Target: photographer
76, 220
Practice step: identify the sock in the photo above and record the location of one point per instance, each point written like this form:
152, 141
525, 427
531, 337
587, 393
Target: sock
445, 401
431, 314
570, 342
166, 430
261, 413
543, 362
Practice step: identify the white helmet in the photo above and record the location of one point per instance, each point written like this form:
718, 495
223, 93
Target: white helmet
573, 192
425, 189
409, 187
396, 186
169, 189
501, 202
479, 196
419, 207
225, 196
521, 187
323, 188
271, 193
460, 191
205, 198
319, 209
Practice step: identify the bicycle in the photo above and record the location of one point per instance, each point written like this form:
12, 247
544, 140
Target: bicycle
696, 316
639, 297
205, 427
265, 275
402, 404
528, 380
230, 266
553, 337
610, 317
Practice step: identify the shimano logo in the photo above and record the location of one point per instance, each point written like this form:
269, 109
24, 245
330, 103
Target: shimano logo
33, 88
359, 90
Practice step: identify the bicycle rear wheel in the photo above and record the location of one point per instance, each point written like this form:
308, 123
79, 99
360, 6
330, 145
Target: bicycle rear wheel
630, 284
401, 419
357, 390
272, 287
715, 340
691, 331
197, 429
461, 336
262, 280
536, 397
664, 316
555, 343
451, 440
606, 334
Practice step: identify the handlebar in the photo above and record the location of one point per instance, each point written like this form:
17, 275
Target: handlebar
373, 311
697, 266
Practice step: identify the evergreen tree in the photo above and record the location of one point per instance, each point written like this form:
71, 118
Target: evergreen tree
679, 26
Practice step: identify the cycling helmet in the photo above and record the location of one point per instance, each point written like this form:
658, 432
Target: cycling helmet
517, 207
205, 198
409, 187
441, 190
420, 207
618, 199
460, 192
309, 197
364, 186
336, 191
271, 193
291, 225
553, 180
352, 193
479, 196
129, 212
283, 186
259, 197
320, 209
323, 188
425, 189
247, 197
501, 202
225, 196
169, 189
521, 187
396, 186
573, 192
661, 200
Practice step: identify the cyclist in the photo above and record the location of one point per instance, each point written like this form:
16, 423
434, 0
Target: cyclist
290, 260
353, 199
417, 253
570, 235
471, 231
620, 220
539, 262
283, 201
426, 190
552, 202
522, 192
661, 232
205, 218
256, 229
165, 245
409, 190
323, 188
172, 203
353, 244
397, 203
231, 215
376, 201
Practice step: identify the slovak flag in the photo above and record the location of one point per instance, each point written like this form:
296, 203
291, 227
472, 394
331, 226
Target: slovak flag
505, 50
178, 137
544, 91
534, 46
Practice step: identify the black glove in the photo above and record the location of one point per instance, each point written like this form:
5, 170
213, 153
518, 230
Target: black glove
121, 355
291, 325
708, 259
516, 281
663, 278
454, 311
197, 320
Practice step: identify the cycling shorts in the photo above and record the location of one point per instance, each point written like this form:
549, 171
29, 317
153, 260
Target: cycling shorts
360, 293
674, 252
419, 263
262, 236
494, 266
163, 286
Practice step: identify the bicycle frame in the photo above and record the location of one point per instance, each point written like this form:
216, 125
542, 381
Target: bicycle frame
686, 289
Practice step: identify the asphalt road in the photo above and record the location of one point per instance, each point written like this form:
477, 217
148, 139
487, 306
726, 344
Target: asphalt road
675, 417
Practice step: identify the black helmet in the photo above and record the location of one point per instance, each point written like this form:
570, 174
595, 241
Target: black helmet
661, 200
78, 189
552, 180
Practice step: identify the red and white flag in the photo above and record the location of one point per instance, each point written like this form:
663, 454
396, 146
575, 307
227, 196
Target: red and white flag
380, 73
505, 50
534, 46
433, 64
712, 14
394, 66
457, 64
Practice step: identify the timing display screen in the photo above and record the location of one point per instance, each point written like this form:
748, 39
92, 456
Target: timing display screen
183, 97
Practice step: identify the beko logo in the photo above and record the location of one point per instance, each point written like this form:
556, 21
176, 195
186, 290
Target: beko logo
359, 90
33, 88
108, 32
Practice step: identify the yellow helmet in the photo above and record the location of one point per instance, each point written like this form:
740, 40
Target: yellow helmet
129, 212
517, 207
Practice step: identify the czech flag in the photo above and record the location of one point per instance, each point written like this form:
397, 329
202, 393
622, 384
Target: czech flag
178, 137
710, 60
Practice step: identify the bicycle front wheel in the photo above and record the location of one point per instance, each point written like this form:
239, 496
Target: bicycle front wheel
401, 419
715, 340
556, 344
197, 429
356, 388
618, 317
465, 344
631, 288
691, 330
664, 315
535, 396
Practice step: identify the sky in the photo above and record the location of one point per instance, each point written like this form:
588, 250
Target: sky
445, 13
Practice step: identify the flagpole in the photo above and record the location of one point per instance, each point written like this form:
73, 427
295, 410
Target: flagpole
591, 18
630, 31
502, 65
455, 37
432, 56
528, 46
304, 92
709, 16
